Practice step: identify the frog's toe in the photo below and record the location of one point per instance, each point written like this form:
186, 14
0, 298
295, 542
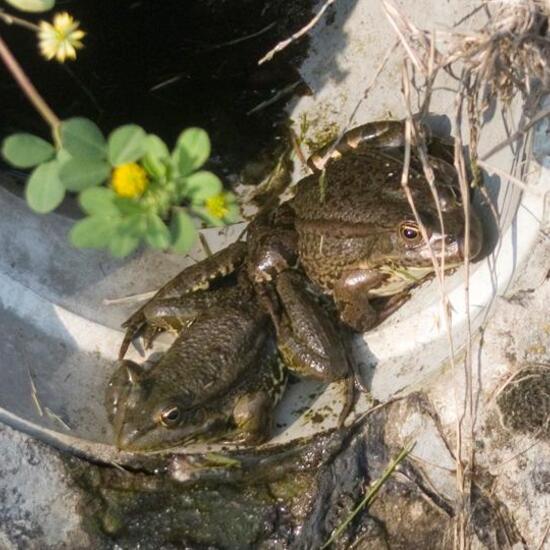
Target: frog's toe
133, 326
359, 316
393, 304
150, 334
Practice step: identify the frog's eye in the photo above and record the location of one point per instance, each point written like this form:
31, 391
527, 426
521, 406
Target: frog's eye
170, 416
410, 233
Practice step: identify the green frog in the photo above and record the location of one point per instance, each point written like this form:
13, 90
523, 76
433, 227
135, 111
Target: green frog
357, 236
222, 377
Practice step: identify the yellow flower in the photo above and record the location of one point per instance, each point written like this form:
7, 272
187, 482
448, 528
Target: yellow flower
129, 180
60, 40
217, 205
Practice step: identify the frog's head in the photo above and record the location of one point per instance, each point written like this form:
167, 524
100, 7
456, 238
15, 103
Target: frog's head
405, 245
148, 414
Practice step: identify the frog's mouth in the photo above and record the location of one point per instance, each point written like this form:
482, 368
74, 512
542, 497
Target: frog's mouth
400, 278
148, 439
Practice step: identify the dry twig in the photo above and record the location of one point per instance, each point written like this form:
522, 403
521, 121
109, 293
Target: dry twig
298, 34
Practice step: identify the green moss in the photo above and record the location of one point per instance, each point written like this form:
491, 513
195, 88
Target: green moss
325, 135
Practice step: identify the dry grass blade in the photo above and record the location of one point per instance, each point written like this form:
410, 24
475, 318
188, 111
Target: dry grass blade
499, 60
57, 418
520, 453
439, 269
412, 39
518, 134
243, 38
119, 467
274, 98
544, 537
507, 53
372, 492
205, 246
34, 394
132, 299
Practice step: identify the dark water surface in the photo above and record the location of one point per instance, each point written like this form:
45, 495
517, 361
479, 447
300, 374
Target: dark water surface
166, 65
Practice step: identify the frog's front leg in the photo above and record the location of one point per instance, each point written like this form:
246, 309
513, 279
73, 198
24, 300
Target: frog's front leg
175, 314
191, 279
351, 295
308, 339
272, 244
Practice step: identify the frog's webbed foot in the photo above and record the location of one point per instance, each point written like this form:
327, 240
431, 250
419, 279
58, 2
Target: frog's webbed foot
177, 314
358, 310
359, 314
125, 375
194, 278
253, 416
308, 339
174, 314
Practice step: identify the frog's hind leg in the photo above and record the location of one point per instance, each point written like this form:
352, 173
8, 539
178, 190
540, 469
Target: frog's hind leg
378, 134
193, 278
312, 342
308, 338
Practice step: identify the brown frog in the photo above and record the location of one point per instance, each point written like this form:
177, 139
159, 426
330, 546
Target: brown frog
353, 232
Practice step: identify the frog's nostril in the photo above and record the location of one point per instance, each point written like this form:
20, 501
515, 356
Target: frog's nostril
126, 437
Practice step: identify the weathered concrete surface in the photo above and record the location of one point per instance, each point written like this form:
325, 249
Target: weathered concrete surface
38, 499
514, 349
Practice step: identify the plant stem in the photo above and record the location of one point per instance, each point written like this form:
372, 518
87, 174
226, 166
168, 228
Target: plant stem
372, 492
29, 90
13, 20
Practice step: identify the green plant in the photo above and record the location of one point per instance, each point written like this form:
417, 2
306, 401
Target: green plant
149, 184
130, 186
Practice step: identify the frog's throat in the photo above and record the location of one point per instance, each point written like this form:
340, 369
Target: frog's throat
400, 278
